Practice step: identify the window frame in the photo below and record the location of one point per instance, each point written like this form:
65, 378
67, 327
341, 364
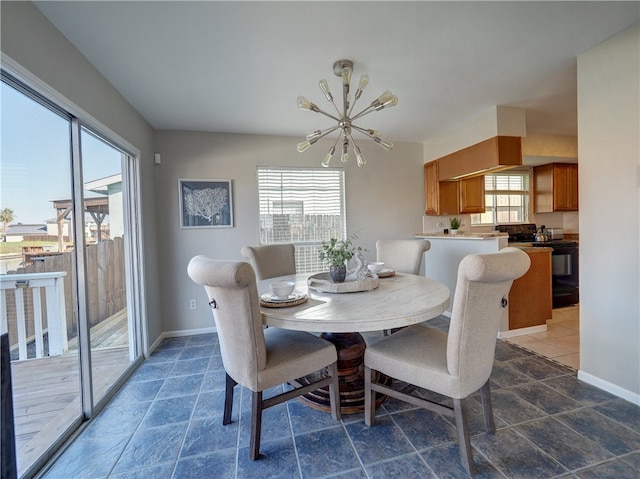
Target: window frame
491, 198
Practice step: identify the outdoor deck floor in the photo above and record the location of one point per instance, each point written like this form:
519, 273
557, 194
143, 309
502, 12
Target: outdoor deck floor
46, 391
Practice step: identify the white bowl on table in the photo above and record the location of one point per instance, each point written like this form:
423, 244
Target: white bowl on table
282, 289
376, 266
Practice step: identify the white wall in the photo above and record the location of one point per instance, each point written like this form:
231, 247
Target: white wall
385, 199
32, 45
609, 175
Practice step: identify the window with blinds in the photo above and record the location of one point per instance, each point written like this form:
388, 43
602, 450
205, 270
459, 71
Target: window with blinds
303, 206
506, 200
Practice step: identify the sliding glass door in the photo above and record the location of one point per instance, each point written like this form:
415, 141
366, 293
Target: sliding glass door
67, 302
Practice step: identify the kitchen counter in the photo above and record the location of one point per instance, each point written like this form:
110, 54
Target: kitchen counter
476, 236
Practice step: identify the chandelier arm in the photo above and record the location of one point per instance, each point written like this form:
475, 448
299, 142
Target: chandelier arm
364, 131
364, 112
355, 100
327, 131
345, 99
320, 110
336, 107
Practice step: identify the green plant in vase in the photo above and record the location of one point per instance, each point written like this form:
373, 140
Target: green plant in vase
455, 224
336, 253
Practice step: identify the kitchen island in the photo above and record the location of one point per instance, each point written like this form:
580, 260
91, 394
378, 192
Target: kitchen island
447, 250
530, 296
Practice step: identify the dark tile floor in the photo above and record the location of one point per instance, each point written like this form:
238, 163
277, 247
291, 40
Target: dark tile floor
167, 423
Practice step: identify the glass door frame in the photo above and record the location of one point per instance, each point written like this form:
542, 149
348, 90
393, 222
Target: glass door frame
21, 79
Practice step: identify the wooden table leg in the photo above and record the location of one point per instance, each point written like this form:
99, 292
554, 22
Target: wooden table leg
351, 347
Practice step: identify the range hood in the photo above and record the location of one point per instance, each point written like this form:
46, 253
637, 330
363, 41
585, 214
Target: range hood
489, 156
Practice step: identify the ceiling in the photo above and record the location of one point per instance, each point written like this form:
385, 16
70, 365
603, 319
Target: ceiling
239, 66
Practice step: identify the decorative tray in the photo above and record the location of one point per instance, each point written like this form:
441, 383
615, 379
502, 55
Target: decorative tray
385, 273
270, 301
322, 282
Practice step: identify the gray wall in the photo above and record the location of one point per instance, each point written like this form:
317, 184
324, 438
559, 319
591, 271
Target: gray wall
609, 148
47, 58
385, 199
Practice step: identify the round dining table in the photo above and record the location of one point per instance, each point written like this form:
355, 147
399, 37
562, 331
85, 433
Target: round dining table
399, 300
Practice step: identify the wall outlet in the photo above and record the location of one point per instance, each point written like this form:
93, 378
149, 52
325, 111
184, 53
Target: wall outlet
192, 304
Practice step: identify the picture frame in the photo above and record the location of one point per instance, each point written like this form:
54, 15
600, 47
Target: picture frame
205, 203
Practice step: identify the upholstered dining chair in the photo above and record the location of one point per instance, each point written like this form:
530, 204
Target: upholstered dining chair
456, 364
256, 358
402, 256
271, 260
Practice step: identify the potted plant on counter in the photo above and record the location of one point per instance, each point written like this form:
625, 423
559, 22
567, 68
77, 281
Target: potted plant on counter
455, 224
336, 253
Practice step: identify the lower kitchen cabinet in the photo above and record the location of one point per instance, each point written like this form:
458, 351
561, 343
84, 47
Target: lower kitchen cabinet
530, 299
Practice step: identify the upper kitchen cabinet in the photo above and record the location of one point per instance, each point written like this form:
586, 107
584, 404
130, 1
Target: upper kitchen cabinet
488, 156
555, 187
451, 197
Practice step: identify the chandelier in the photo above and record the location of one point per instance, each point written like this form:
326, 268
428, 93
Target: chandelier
345, 119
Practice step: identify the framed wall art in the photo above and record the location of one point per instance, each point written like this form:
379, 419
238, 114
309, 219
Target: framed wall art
205, 203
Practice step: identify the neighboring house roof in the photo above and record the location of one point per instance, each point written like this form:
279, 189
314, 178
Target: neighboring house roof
102, 185
26, 230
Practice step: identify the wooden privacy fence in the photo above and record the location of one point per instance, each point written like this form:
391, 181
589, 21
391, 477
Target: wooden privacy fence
106, 291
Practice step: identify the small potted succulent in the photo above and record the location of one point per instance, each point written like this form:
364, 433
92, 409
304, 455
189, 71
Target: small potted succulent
336, 253
455, 224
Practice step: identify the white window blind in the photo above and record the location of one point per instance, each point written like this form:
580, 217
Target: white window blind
506, 199
303, 206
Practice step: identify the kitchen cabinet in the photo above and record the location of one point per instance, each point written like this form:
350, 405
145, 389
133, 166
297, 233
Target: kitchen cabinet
530, 298
452, 197
489, 156
555, 187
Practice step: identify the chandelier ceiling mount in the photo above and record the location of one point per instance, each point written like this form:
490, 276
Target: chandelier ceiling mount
344, 118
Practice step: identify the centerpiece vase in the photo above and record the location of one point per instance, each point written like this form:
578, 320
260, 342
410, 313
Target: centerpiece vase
338, 273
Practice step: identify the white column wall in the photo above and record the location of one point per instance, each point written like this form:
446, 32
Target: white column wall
609, 176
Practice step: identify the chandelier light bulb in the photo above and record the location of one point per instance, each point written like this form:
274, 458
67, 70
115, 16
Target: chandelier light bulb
303, 146
384, 97
328, 157
346, 77
345, 152
324, 86
304, 104
364, 80
359, 157
393, 101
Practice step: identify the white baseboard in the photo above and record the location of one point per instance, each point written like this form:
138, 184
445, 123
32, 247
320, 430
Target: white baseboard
609, 387
178, 334
511, 333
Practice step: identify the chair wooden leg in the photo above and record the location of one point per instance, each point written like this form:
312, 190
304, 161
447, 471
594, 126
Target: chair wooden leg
487, 408
369, 402
256, 425
464, 442
334, 391
228, 400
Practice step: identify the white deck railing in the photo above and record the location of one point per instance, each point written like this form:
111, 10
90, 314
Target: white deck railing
56, 324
